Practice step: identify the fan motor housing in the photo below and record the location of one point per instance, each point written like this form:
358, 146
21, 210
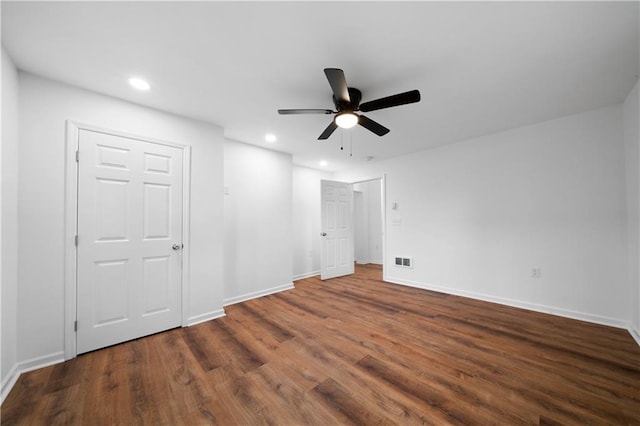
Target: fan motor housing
355, 96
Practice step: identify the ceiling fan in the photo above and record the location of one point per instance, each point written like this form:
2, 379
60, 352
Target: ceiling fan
347, 103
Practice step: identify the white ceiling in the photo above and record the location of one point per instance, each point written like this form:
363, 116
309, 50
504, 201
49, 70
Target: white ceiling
480, 67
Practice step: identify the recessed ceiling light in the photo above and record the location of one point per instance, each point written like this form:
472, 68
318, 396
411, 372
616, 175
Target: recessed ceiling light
270, 137
138, 83
323, 163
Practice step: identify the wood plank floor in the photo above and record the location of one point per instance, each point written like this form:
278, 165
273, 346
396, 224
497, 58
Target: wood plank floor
351, 350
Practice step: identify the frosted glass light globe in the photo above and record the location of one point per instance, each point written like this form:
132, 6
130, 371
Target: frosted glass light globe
346, 120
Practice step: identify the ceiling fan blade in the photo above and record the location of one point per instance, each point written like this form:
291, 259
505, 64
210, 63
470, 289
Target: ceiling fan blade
375, 127
304, 111
338, 84
391, 101
328, 131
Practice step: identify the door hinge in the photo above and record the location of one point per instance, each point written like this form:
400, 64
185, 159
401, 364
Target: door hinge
77, 156
75, 326
76, 240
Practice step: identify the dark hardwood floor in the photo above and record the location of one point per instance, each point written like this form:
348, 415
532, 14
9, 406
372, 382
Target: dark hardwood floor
351, 350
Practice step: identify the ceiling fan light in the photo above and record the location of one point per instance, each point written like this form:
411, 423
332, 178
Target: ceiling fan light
346, 120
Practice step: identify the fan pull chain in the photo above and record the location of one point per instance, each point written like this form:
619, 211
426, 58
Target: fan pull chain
341, 140
350, 145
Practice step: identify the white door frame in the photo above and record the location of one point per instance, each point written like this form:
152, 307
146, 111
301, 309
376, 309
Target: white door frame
71, 225
383, 212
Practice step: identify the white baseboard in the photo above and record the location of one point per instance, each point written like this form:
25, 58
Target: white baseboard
40, 362
208, 316
256, 294
22, 367
634, 333
306, 275
583, 316
8, 382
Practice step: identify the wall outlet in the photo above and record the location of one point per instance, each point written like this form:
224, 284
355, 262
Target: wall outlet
535, 273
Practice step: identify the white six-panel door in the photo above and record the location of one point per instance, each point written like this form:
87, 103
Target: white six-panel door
337, 243
129, 239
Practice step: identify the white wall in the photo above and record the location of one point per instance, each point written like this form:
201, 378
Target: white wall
306, 220
477, 216
44, 107
375, 221
368, 217
360, 226
257, 221
9, 219
632, 158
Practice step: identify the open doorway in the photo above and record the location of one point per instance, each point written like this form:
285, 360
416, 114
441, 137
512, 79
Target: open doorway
368, 222
345, 226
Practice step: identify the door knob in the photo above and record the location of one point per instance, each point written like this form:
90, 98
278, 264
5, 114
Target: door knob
323, 234
176, 246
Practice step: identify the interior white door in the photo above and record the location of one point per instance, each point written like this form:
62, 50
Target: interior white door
337, 229
129, 281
